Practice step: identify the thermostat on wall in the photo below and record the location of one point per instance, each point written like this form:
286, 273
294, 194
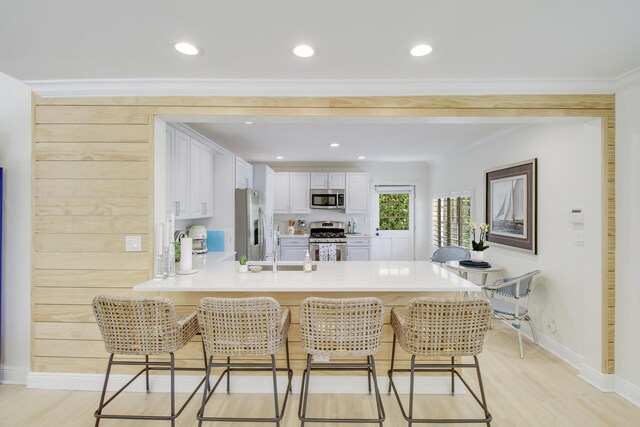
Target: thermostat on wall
577, 216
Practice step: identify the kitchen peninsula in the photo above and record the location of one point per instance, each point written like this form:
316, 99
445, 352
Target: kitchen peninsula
394, 282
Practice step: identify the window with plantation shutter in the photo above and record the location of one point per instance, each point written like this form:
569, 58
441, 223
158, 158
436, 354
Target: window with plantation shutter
451, 216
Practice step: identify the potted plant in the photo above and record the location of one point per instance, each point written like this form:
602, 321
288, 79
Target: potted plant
243, 268
477, 246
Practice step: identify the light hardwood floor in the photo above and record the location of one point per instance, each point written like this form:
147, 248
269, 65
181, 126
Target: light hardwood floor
539, 390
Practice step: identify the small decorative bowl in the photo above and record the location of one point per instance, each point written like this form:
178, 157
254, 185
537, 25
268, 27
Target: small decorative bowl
255, 268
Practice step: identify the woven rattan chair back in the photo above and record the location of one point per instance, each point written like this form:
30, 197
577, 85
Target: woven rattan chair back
444, 327
240, 326
140, 326
341, 327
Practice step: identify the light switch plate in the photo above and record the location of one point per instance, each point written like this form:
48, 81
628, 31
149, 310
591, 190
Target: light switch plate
133, 243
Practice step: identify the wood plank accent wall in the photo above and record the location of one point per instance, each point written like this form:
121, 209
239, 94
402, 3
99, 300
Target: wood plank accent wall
93, 184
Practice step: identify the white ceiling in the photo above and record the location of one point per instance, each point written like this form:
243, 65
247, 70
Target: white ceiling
308, 139
356, 39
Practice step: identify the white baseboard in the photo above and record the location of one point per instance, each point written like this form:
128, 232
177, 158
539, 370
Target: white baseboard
13, 375
554, 347
629, 391
241, 384
603, 382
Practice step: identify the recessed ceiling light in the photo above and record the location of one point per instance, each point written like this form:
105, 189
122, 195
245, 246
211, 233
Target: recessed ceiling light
304, 51
187, 48
279, 157
421, 50
361, 157
335, 144
248, 123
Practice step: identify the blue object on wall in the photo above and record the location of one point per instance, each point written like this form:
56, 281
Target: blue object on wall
215, 240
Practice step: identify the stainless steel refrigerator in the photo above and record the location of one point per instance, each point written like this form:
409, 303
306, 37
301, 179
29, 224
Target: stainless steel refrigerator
250, 225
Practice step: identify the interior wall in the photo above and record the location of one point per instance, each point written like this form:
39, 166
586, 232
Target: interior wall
627, 232
410, 173
92, 161
568, 292
15, 158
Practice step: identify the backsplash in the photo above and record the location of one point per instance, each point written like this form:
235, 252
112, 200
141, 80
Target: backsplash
363, 223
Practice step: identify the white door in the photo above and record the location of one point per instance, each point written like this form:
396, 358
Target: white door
392, 216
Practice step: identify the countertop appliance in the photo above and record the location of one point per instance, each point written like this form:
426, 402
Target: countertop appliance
199, 235
331, 232
249, 224
327, 199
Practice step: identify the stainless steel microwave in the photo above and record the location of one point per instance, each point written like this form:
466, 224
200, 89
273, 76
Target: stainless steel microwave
327, 199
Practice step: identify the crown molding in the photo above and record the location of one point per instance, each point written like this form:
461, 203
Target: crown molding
628, 78
285, 87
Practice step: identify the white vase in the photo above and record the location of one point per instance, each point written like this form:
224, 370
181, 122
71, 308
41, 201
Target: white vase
477, 255
243, 268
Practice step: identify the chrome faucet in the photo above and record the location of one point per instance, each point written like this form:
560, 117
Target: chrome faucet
276, 244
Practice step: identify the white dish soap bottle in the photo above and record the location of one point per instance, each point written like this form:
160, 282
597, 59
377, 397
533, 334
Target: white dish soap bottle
306, 264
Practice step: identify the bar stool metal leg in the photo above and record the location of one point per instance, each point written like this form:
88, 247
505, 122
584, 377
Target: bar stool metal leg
393, 356
104, 390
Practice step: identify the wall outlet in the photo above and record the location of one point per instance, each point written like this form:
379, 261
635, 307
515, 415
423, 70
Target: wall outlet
133, 243
579, 238
552, 326
321, 359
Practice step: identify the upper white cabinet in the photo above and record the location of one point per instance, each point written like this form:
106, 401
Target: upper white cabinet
330, 180
281, 192
178, 181
244, 174
201, 179
291, 192
357, 193
299, 192
189, 176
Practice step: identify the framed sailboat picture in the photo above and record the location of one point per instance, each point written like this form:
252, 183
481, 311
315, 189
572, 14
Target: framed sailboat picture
511, 205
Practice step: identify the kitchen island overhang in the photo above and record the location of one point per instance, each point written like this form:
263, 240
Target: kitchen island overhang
364, 277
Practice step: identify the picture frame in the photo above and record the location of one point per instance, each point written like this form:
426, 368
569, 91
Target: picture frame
511, 205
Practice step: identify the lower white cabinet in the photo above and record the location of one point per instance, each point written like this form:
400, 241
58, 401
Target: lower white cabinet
358, 248
293, 248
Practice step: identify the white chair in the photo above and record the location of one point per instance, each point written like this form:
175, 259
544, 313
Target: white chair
450, 253
509, 298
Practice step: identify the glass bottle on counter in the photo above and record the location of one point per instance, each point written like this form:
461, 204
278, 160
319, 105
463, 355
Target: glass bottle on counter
306, 264
349, 228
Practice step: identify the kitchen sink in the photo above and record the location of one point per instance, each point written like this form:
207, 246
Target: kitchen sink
285, 267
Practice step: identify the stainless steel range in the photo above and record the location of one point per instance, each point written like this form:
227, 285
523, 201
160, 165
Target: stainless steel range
327, 233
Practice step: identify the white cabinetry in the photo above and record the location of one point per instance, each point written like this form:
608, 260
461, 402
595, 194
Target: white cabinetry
244, 174
357, 193
263, 181
299, 192
190, 175
201, 193
291, 192
330, 180
281, 192
293, 248
358, 248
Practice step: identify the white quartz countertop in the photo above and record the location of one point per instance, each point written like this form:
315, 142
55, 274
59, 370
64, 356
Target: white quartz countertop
346, 276
289, 236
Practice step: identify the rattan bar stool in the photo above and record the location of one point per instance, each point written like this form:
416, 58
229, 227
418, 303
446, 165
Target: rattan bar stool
146, 327
244, 327
441, 327
341, 327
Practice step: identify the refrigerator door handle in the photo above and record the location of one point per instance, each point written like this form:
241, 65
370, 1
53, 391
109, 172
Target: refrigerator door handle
261, 232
